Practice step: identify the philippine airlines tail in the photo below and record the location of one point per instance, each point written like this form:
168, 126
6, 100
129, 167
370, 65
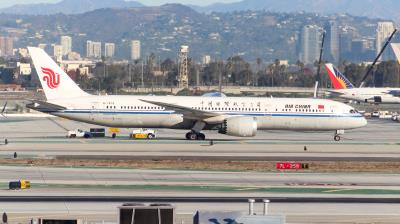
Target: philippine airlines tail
55, 82
339, 81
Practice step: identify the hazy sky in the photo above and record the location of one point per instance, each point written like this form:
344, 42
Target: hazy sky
6, 3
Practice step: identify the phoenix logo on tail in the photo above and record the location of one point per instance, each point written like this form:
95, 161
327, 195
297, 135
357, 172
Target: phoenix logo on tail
339, 81
52, 79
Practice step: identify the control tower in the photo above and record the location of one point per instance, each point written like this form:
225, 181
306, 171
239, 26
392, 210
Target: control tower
183, 79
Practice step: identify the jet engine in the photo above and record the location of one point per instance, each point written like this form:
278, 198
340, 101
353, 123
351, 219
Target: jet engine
239, 126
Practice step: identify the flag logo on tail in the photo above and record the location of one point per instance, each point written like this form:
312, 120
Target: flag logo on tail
339, 81
52, 79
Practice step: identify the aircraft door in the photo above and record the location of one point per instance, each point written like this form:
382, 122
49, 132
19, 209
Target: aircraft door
95, 111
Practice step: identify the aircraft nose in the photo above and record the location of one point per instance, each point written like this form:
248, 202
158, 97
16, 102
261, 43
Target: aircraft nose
363, 122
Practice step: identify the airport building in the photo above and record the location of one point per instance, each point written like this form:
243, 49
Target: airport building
383, 32
310, 44
66, 43
109, 50
135, 50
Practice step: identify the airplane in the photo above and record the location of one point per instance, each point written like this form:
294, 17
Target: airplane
233, 116
343, 88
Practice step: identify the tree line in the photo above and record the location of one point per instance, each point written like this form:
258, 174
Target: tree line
234, 71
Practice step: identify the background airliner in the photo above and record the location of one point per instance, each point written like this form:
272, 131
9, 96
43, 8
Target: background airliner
234, 116
343, 88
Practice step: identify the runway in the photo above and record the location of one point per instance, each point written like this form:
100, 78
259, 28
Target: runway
51, 129
99, 212
86, 179
46, 139
125, 199
304, 197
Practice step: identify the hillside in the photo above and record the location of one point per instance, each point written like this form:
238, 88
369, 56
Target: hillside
388, 9
162, 30
68, 7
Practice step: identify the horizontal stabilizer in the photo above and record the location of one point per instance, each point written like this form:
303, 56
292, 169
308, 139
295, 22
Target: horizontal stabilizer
45, 107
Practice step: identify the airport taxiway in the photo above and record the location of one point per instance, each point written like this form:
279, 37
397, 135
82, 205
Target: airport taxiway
97, 212
86, 179
45, 138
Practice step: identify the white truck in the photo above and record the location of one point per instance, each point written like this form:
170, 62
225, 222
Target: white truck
78, 133
143, 133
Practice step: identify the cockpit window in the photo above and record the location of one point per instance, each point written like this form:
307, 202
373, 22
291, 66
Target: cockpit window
352, 111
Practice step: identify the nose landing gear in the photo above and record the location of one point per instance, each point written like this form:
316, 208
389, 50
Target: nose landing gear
338, 134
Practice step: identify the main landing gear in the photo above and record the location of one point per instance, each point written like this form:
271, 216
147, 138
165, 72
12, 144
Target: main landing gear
195, 133
195, 136
338, 134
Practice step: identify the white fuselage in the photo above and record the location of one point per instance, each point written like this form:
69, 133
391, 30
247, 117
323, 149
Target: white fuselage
370, 95
270, 113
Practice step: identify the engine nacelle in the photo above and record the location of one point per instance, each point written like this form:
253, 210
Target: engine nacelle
239, 126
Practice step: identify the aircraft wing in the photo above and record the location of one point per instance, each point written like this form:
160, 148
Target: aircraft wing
187, 112
334, 92
45, 107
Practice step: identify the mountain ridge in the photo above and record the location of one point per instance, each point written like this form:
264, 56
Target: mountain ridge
386, 9
68, 7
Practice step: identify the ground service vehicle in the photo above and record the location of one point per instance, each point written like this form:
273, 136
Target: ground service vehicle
78, 133
143, 133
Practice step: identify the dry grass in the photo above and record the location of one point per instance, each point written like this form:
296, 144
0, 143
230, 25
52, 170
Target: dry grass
259, 166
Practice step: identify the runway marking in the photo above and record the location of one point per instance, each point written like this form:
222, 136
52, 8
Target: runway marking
82, 141
248, 189
338, 190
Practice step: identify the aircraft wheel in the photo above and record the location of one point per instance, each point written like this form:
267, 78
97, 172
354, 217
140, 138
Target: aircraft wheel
188, 135
150, 136
201, 136
193, 136
337, 138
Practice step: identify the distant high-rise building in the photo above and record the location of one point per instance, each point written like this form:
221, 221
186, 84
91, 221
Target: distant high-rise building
42, 46
346, 38
89, 48
310, 44
66, 43
93, 49
135, 50
109, 50
206, 59
97, 49
332, 41
6, 46
383, 32
58, 52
